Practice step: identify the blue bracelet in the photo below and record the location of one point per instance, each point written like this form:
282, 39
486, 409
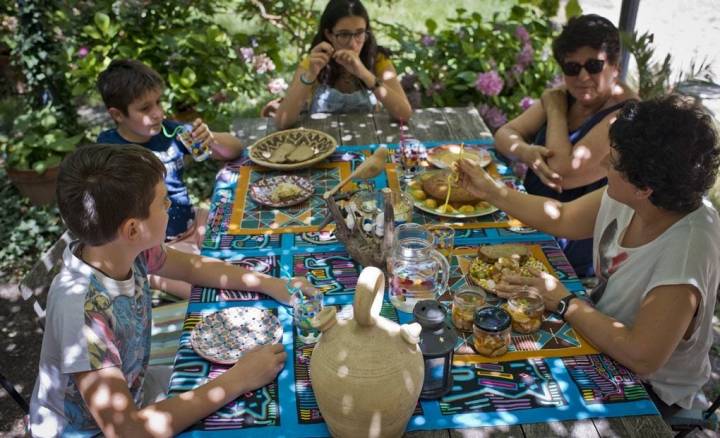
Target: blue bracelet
305, 81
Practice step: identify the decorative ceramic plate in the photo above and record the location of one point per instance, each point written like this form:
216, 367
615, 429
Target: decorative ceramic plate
224, 336
292, 149
444, 156
479, 208
281, 190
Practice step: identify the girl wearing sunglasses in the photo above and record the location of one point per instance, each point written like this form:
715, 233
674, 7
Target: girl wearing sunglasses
346, 71
563, 138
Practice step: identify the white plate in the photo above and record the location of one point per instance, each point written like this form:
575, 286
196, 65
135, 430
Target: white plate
443, 156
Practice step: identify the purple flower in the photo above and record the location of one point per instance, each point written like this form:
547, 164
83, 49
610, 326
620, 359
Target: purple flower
408, 81
82, 52
428, 40
263, 63
277, 86
522, 34
517, 70
557, 81
247, 54
525, 57
490, 83
435, 87
493, 116
526, 102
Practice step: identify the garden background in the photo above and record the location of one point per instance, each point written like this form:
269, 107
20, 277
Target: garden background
224, 59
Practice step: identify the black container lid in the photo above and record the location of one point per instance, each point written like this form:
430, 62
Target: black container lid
492, 319
429, 313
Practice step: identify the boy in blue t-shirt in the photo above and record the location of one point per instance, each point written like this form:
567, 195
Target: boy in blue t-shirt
132, 91
94, 359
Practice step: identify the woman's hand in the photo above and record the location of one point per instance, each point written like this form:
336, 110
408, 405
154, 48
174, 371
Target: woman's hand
319, 57
551, 289
351, 62
555, 99
475, 180
535, 157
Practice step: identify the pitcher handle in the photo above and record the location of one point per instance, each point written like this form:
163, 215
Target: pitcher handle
445, 270
368, 296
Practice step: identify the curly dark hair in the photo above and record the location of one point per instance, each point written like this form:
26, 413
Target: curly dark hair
669, 145
589, 30
334, 12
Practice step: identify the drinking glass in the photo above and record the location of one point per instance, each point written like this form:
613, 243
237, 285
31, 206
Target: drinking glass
410, 154
199, 150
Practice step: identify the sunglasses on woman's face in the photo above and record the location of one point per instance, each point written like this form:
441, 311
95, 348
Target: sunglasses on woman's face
592, 66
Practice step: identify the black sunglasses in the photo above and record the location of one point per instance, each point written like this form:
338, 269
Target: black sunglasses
592, 66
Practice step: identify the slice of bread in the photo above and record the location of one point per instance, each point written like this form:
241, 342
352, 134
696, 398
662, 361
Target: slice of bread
280, 154
491, 253
301, 153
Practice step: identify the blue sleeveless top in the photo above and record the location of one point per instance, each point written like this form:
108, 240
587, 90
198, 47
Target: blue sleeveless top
327, 99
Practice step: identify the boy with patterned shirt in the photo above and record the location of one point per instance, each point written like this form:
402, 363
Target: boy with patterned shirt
97, 337
131, 92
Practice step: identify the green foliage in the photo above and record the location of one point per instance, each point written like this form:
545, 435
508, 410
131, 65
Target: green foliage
202, 63
653, 77
37, 140
445, 64
25, 230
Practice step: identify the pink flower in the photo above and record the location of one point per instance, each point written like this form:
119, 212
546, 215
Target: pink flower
522, 34
427, 40
263, 63
525, 57
489, 84
277, 86
493, 116
247, 54
82, 52
526, 102
517, 70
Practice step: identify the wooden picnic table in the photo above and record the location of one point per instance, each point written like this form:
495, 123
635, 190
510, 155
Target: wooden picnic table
452, 124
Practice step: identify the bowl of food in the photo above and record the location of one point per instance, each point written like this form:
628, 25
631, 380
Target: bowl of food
526, 309
281, 190
494, 262
292, 149
429, 191
444, 156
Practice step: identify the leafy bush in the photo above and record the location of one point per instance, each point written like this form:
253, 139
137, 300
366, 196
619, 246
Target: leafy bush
203, 64
499, 64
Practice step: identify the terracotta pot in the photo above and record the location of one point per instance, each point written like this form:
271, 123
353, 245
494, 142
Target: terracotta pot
366, 372
39, 188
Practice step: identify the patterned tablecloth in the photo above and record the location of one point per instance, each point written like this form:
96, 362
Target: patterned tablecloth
551, 374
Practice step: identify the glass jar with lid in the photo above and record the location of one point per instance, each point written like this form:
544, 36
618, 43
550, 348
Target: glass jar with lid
491, 331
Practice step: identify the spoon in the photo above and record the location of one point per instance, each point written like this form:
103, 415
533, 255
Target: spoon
369, 168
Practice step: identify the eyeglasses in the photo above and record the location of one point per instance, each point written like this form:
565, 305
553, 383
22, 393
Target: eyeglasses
345, 37
592, 66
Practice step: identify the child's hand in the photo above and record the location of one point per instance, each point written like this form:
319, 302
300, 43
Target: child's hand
259, 366
202, 133
305, 286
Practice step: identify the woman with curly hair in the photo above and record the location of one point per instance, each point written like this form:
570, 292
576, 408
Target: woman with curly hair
656, 246
346, 70
563, 138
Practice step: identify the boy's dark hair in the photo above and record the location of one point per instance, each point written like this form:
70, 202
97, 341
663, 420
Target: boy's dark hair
589, 30
99, 186
667, 144
126, 80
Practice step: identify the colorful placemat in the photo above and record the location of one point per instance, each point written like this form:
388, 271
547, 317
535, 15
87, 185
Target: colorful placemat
249, 217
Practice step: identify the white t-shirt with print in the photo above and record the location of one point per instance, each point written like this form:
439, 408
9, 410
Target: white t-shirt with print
686, 253
92, 322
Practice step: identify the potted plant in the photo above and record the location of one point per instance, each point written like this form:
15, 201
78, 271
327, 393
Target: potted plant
33, 150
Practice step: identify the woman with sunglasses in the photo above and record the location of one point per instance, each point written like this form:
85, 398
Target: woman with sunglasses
563, 138
346, 70
657, 246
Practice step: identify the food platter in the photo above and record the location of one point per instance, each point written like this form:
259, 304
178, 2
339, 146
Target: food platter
445, 155
281, 190
460, 210
292, 149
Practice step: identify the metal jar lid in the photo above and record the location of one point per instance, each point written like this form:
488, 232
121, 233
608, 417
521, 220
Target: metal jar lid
492, 319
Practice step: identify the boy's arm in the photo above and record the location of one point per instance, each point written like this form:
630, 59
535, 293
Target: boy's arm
105, 392
210, 272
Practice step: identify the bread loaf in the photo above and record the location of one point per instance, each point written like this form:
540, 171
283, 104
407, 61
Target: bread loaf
491, 253
437, 186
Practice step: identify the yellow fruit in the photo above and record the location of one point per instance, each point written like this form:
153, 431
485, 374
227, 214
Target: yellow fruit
482, 205
430, 203
467, 209
446, 209
419, 195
